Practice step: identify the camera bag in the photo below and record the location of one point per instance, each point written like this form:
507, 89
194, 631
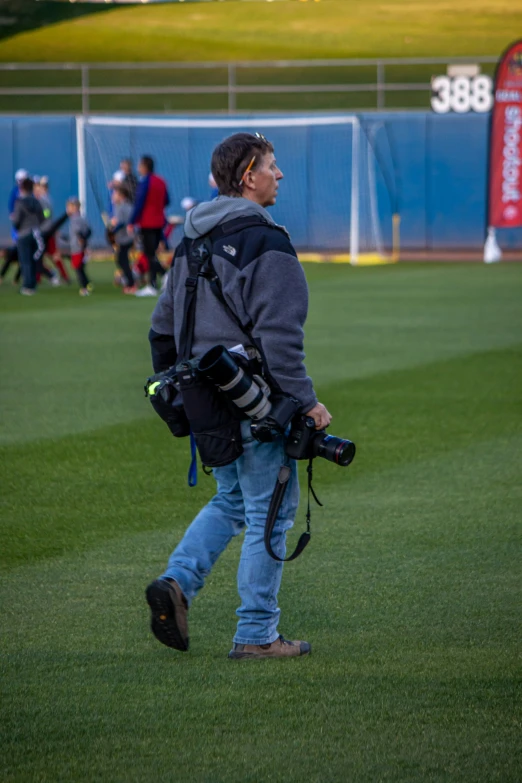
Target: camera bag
214, 421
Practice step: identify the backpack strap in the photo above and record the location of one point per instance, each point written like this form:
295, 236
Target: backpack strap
199, 258
221, 231
196, 258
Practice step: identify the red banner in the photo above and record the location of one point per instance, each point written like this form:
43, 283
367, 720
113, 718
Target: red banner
505, 150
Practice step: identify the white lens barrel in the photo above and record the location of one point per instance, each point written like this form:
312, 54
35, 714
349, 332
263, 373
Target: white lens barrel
235, 380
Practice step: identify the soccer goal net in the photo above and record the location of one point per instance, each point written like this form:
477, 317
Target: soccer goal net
333, 199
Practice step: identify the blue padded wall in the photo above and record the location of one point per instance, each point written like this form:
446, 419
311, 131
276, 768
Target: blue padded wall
434, 166
42, 145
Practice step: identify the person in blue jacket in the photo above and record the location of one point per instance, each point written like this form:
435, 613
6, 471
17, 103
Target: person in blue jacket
11, 253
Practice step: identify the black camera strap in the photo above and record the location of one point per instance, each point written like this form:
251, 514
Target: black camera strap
275, 505
199, 259
196, 260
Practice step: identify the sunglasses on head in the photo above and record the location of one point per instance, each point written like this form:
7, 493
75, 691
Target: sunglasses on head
248, 168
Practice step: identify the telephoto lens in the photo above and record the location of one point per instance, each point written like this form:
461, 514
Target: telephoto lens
336, 450
219, 366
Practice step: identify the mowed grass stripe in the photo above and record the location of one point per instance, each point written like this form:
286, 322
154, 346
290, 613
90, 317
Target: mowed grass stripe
74, 364
73, 492
428, 518
366, 321
87, 359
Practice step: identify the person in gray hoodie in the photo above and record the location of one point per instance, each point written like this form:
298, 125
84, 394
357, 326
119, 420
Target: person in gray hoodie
264, 286
79, 233
27, 217
51, 248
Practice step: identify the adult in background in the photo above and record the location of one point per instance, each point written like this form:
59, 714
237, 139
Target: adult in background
149, 215
257, 268
115, 182
27, 217
14, 194
11, 253
130, 180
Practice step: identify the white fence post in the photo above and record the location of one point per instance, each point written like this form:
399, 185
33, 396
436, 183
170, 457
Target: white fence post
231, 88
380, 85
85, 89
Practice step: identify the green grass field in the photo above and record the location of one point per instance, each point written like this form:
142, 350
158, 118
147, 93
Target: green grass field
409, 591
253, 31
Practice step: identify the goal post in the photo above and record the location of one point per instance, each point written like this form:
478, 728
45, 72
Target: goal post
354, 200
330, 201
82, 163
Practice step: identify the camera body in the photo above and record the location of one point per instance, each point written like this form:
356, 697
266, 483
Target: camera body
163, 391
275, 424
305, 442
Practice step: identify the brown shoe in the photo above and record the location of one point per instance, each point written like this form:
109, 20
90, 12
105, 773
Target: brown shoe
281, 648
169, 610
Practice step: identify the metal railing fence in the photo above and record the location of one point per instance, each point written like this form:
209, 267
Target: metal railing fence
236, 79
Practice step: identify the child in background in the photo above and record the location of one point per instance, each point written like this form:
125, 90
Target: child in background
79, 233
51, 249
121, 236
140, 266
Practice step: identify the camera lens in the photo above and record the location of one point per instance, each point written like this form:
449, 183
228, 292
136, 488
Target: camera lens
334, 449
218, 365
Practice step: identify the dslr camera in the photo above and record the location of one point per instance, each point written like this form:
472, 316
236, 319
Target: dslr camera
163, 391
305, 442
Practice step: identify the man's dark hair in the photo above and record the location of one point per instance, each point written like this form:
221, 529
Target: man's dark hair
148, 163
232, 157
27, 185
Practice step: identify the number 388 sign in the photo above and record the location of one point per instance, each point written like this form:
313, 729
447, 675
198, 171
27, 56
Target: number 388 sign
461, 94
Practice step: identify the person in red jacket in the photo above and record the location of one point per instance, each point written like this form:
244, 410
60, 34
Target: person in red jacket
149, 215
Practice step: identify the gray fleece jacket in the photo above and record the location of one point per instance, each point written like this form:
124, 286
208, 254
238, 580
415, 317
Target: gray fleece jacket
263, 283
122, 213
79, 233
27, 215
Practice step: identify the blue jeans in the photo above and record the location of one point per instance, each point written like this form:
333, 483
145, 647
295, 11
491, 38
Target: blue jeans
244, 490
26, 249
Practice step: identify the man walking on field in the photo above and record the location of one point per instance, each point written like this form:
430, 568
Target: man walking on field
266, 295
